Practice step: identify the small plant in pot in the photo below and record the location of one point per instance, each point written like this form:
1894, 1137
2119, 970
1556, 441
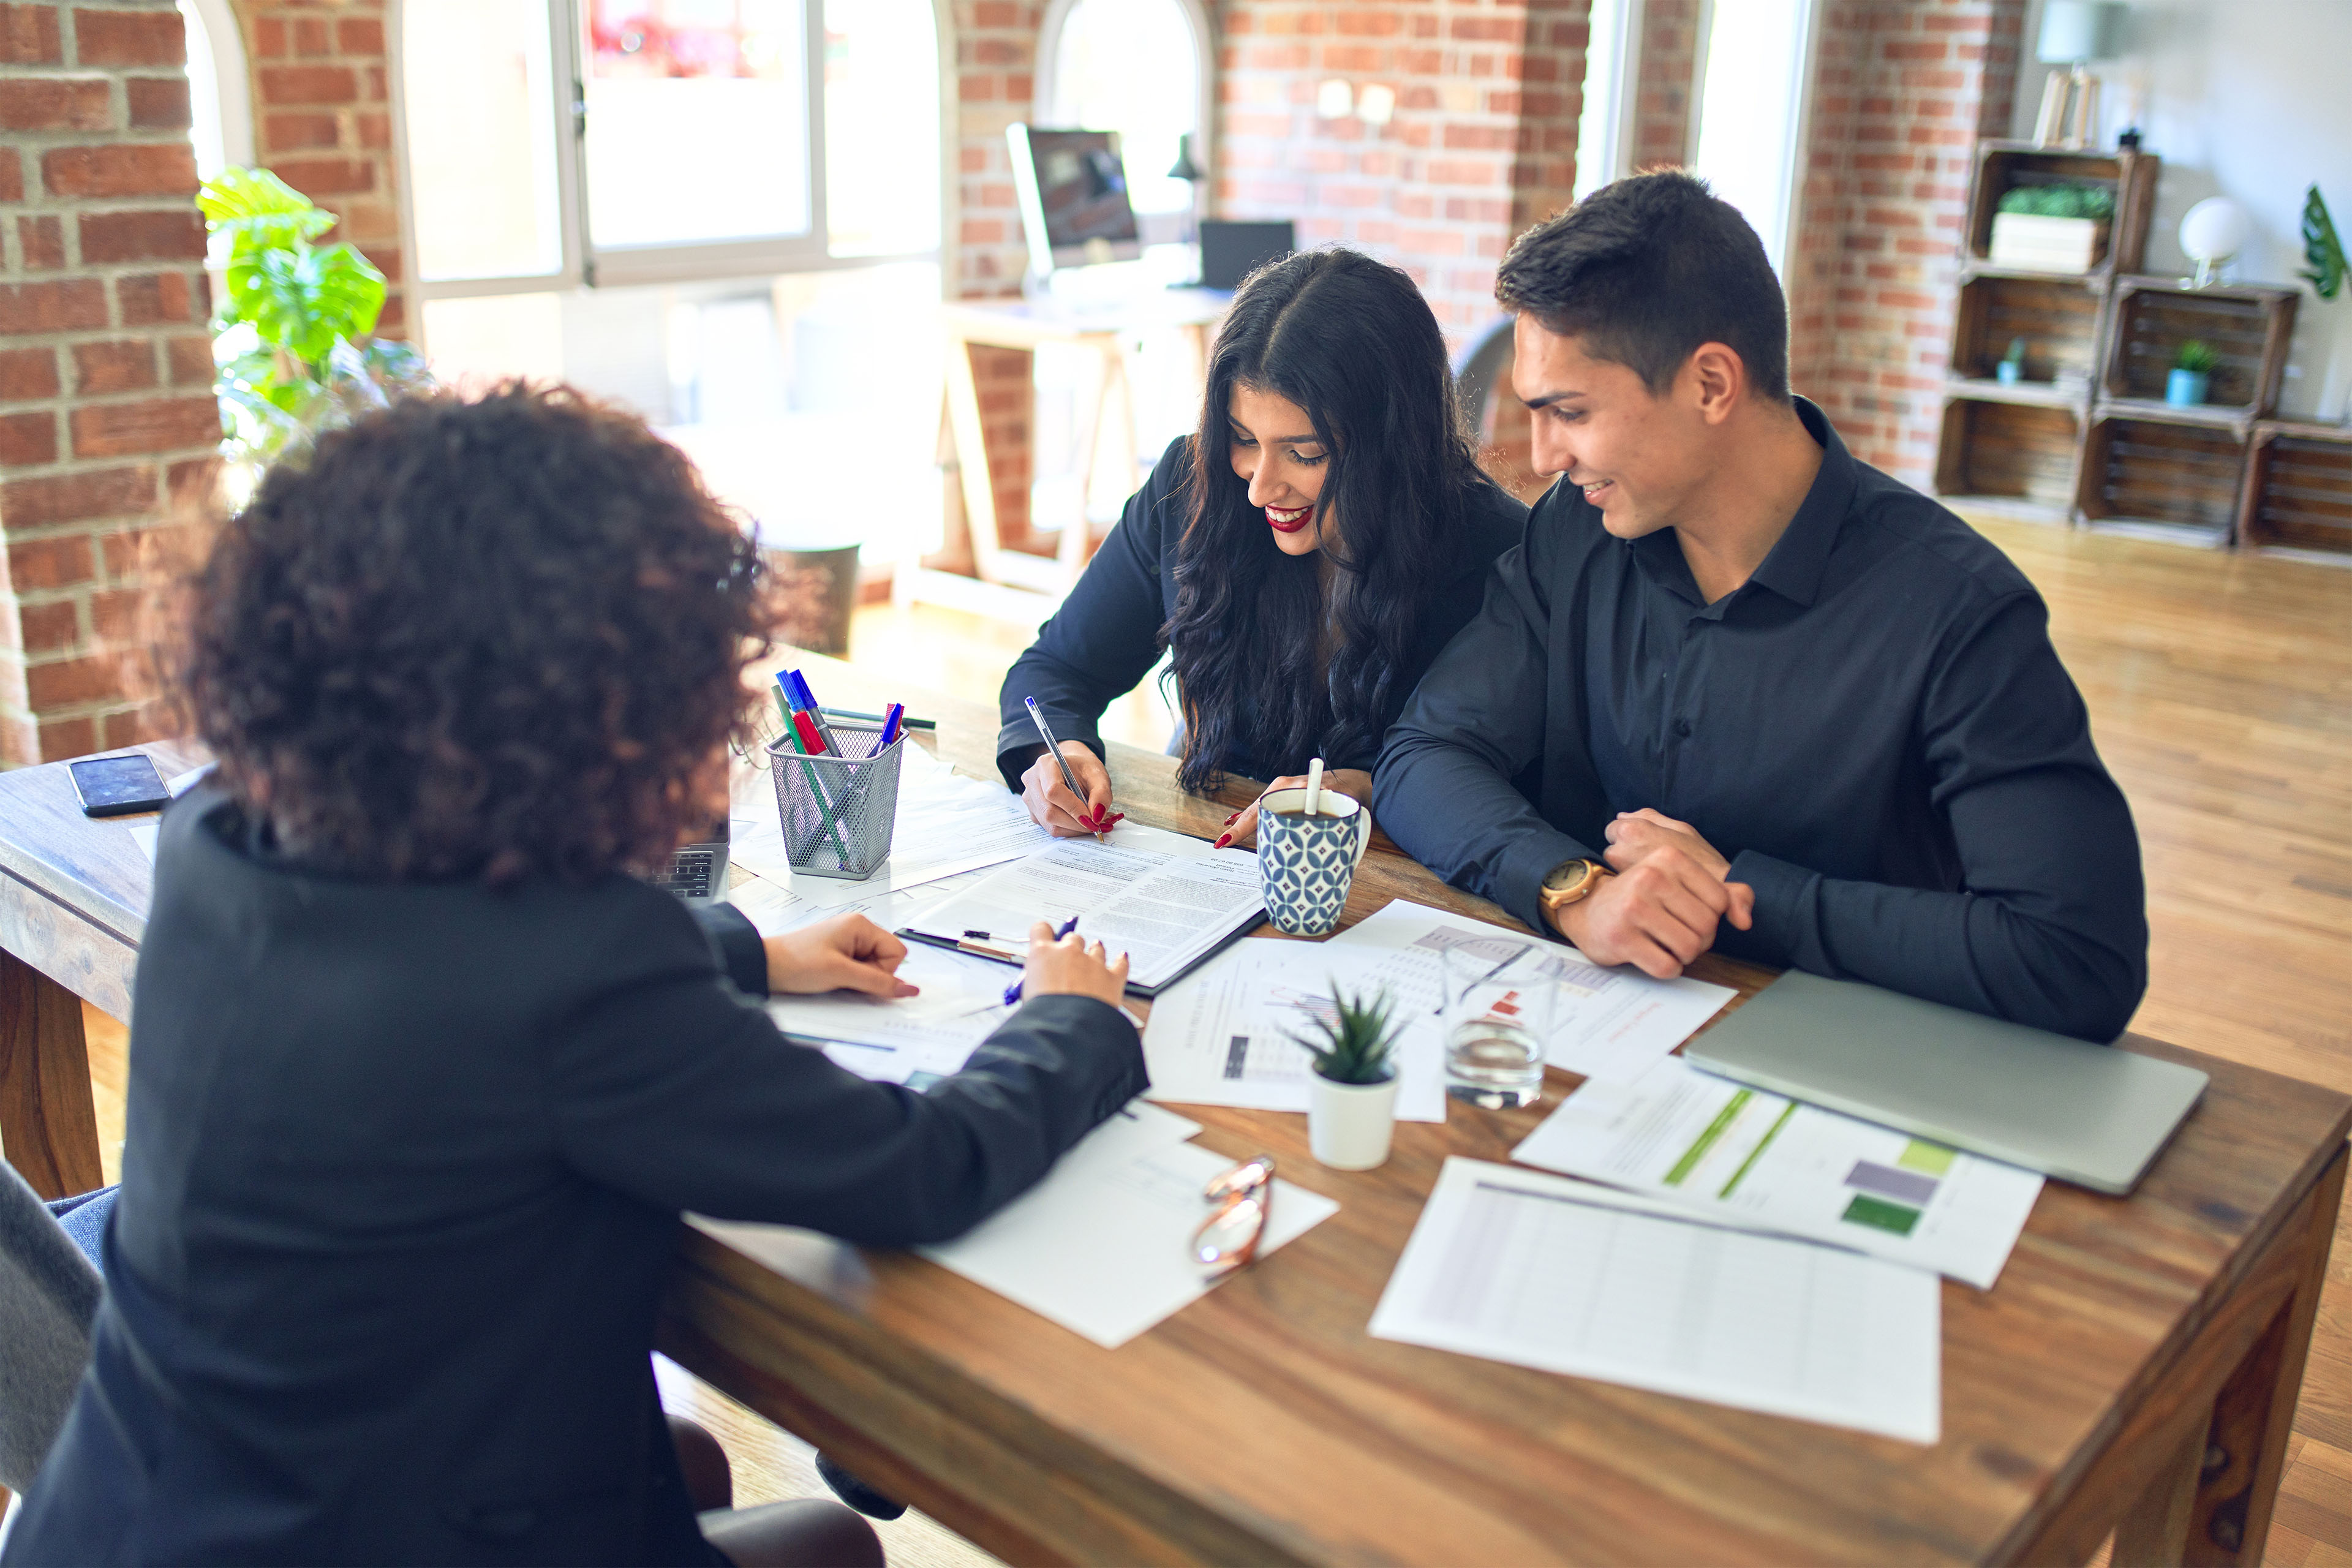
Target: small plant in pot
2011, 368
1352, 1104
2192, 373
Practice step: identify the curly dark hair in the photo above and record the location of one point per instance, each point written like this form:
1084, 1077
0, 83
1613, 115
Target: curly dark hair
476, 637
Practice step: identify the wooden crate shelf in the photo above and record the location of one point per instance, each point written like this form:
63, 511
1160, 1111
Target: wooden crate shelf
2162, 471
2020, 454
2248, 327
2298, 488
2058, 319
2003, 165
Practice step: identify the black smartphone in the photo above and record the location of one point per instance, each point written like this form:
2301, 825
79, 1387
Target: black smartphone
117, 787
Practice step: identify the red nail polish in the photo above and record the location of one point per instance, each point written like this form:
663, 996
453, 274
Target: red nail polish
1221, 843
1233, 818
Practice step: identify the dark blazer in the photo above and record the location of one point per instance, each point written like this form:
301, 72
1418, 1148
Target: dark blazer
402, 1188
1105, 636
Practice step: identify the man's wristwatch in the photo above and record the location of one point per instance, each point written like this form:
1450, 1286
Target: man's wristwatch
1570, 882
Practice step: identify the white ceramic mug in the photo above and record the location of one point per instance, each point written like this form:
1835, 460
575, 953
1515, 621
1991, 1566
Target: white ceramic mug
1307, 863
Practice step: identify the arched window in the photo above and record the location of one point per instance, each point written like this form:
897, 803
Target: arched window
1138, 67
220, 95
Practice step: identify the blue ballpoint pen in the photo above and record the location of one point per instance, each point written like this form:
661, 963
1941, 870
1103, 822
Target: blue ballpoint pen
1013, 992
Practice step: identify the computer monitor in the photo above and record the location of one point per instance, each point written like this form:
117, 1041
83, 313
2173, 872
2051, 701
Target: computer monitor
1073, 191
1231, 251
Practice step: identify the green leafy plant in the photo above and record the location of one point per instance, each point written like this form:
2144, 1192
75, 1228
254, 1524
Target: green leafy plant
2016, 354
2322, 248
2095, 201
2197, 357
295, 351
1353, 1042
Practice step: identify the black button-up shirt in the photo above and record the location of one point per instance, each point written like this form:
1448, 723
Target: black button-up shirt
1873, 729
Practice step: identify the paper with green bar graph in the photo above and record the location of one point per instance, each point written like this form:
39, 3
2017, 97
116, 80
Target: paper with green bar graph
1775, 1164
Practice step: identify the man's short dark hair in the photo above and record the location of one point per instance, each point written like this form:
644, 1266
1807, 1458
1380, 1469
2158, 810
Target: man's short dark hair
1643, 272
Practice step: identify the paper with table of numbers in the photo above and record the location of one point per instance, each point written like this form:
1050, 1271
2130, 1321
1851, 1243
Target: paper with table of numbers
1541, 1271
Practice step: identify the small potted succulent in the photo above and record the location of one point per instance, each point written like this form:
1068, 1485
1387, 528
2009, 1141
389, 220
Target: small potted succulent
1352, 1107
2192, 373
2011, 368
2052, 228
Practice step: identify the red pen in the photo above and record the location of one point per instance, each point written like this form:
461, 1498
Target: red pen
811, 738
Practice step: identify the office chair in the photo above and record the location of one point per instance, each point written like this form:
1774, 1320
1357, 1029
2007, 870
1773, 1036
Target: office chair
49, 1294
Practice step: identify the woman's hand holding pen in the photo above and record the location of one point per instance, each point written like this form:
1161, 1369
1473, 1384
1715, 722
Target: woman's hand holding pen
848, 953
1071, 966
1053, 806
1353, 782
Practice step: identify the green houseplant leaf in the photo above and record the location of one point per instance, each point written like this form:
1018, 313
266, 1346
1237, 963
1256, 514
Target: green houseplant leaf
1354, 1043
2196, 357
2322, 248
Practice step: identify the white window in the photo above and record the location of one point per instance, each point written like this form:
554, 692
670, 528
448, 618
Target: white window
1604, 127
553, 143
220, 95
1756, 91
1138, 67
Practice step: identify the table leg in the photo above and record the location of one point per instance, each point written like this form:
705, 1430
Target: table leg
48, 1125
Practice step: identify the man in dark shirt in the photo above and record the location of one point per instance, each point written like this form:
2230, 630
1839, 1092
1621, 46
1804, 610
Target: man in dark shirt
1739, 691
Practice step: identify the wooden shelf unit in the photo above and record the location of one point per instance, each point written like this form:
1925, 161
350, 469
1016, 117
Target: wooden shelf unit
2085, 437
2298, 488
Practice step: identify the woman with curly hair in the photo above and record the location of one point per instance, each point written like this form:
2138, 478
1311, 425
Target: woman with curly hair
1301, 558
421, 1077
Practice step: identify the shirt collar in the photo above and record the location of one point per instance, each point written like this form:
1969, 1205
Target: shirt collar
1794, 568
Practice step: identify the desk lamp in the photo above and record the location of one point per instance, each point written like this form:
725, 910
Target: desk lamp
2074, 34
2212, 234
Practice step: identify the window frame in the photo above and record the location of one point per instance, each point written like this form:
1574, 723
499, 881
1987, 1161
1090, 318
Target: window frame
583, 264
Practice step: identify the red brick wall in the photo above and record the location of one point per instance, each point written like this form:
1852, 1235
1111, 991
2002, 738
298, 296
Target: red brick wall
1483, 142
1903, 91
105, 367
1664, 84
322, 121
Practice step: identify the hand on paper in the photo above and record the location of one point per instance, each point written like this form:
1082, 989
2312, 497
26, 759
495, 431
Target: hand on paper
848, 953
1660, 912
1636, 835
1353, 782
1071, 967
1054, 807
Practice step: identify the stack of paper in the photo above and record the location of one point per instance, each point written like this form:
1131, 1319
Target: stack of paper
1614, 1024
1543, 1272
1224, 1036
909, 1039
1757, 1160
1165, 900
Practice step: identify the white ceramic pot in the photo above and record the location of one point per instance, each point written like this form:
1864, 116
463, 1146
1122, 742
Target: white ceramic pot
1348, 1124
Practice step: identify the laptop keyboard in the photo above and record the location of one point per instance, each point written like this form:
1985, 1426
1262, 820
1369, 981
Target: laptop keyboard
690, 872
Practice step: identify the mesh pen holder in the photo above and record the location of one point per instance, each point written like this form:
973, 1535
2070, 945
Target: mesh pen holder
838, 811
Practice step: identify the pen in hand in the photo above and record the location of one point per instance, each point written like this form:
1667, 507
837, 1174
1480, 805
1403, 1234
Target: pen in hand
1098, 825
1013, 992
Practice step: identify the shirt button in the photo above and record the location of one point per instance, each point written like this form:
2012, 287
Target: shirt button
1683, 728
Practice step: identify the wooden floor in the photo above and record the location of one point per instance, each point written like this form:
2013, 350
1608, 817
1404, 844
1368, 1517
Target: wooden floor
2221, 694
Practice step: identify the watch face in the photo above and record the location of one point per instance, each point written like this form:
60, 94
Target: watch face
1566, 876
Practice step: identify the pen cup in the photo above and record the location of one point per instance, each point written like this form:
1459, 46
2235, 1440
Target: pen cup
1307, 863
837, 811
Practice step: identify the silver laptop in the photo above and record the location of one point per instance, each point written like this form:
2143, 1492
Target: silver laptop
2084, 1113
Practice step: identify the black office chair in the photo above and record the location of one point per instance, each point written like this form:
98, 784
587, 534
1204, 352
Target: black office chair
49, 1294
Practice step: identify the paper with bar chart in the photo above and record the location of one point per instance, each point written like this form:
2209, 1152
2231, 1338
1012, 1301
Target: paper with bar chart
1770, 1163
1539, 1272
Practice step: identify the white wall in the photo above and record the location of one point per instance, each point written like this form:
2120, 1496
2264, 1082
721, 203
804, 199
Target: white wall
2250, 99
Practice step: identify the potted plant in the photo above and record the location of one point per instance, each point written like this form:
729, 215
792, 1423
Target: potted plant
294, 351
2011, 368
2052, 228
2192, 373
1352, 1104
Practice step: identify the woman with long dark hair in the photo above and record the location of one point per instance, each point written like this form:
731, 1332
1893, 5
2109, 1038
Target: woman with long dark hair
1302, 556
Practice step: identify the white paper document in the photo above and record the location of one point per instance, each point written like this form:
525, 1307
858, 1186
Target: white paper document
1614, 1024
1545, 1272
143, 834
1221, 1035
1102, 1245
775, 907
1756, 1160
908, 1039
1164, 899
945, 824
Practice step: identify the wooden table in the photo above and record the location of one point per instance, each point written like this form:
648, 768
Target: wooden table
2137, 1366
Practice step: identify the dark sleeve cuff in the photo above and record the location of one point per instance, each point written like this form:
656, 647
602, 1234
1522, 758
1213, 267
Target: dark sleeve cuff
1017, 745
1786, 932
735, 940
1518, 880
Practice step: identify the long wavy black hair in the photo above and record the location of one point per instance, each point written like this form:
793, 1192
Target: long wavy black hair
1352, 342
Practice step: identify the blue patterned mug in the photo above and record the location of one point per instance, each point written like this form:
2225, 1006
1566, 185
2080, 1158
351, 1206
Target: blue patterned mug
1307, 862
